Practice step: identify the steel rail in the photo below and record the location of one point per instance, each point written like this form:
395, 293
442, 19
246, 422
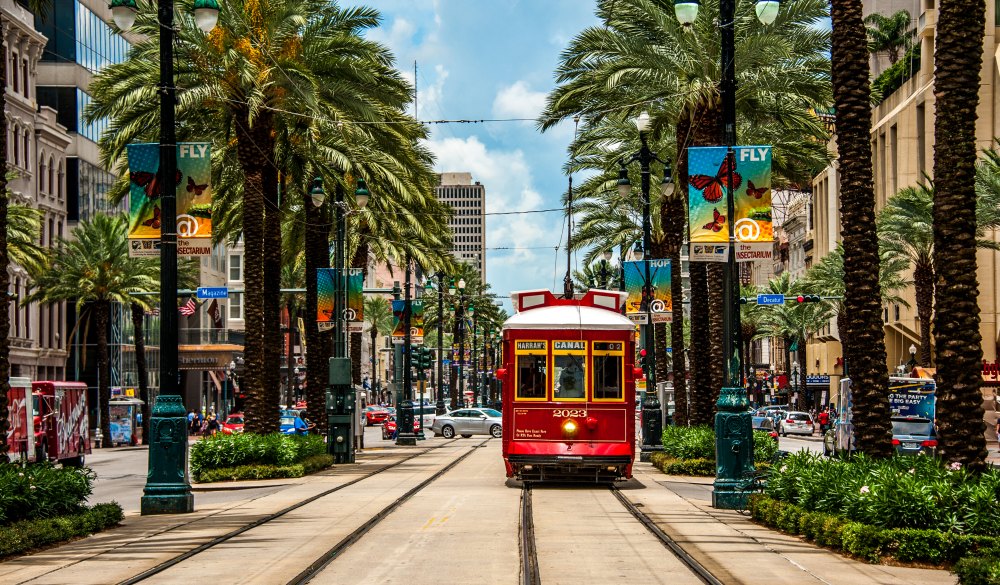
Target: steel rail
704, 574
262, 520
530, 574
323, 561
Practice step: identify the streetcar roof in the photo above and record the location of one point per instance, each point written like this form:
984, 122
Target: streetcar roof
540, 309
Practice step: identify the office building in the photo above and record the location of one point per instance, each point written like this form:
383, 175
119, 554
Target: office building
468, 225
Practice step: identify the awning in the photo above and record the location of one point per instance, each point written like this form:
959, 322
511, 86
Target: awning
215, 379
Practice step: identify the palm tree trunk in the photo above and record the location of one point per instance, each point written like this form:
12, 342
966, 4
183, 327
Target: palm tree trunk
673, 219
702, 405
290, 355
716, 273
957, 62
374, 352
138, 316
272, 294
864, 339
318, 350
102, 310
253, 140
923, 283
4, 276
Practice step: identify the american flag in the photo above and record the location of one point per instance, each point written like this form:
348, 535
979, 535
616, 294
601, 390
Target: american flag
188, 308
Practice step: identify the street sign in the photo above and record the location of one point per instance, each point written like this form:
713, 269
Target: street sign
770, 300
213, 292
639, 318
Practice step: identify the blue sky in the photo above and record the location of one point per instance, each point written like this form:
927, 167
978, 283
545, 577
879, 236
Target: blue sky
495, 59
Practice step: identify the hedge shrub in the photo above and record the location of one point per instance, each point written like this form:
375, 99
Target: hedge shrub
896, 74
872, 543
25, 535
900, 492
249, 449
42, 491
308, 465
977, 571
672, 466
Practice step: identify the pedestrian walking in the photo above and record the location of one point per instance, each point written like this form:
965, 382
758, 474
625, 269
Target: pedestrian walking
824, 420
212, 426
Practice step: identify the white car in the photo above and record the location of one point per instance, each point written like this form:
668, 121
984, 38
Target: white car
798, 423
467, 422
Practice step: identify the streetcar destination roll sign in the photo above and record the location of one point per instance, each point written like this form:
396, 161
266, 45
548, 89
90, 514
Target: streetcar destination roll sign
582, 345
530, 345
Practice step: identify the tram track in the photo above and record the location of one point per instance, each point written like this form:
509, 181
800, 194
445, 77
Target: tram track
317, 566
529, 553
176, 560
697, 568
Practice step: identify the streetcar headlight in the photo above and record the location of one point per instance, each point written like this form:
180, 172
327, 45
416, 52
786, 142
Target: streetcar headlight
569, 428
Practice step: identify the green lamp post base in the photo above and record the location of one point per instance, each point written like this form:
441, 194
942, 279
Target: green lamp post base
167, 490
733, 449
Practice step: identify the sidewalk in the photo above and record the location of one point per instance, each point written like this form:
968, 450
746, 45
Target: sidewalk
739, 552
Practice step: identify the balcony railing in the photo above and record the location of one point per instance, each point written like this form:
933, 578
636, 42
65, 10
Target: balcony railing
209, 336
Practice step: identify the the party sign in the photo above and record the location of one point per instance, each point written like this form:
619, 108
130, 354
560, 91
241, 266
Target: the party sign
712, 171
193, 184
416, 320
659, 278
326, 284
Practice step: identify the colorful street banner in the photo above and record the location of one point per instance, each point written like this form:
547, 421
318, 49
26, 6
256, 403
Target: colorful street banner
326, 279
659, 276
194, 199
416, 320
708, 182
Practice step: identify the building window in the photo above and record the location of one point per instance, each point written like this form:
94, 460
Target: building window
236, 268
42, 175
24, 84
235, 305
14, 78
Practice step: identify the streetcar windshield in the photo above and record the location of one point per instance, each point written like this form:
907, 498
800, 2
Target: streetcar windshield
570, 377
607, 377
531, 376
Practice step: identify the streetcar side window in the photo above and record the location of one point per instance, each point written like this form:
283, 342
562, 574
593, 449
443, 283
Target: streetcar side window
607, 377
531, 377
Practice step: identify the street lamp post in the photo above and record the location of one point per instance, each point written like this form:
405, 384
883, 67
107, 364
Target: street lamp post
460, 320
404, 407
167, 489
475, 356
651, 421
733, 436
913, 358
439, 407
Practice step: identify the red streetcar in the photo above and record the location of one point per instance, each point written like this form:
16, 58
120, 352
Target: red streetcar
569, 388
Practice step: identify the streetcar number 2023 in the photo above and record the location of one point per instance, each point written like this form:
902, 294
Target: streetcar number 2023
569, 412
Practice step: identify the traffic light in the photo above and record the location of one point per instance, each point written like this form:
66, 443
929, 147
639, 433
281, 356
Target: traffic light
807, 298
642, 359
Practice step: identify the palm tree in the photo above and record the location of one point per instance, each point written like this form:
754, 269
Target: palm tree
252, 86
94, 269
642, 56
889, 34
906, 231
39, 7
600, 275
292, 276
378, 315
958, 55
864, 340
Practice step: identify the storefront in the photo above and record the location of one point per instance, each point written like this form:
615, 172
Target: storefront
209, 376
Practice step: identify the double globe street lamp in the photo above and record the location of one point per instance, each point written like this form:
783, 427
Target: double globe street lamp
167, 489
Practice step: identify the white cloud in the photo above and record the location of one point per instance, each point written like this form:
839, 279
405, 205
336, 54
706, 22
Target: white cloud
518, 101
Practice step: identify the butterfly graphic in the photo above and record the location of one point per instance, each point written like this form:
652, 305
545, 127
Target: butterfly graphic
712, 186
716, 224
149, 182
153, 222
198, 189
755, 192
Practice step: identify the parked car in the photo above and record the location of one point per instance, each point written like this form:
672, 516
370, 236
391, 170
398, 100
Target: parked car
375, 415
797, 423
764, 423
389, 427
467, 422
913, 436
233, 424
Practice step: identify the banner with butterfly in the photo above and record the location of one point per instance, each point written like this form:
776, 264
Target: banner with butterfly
710, 171
193, 181
661, 305
416, 322
325, 284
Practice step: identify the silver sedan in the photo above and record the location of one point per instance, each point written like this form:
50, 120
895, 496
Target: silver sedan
467, 422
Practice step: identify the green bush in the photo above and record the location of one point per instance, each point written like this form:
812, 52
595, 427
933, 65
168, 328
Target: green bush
308, 465
868, 542
673, 466
25, 535
226, 451
699, 443
896, 74
900, 492
978, 571
42, 491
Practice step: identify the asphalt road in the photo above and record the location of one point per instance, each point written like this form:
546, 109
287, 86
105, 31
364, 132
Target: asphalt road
121, 475
795, 443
